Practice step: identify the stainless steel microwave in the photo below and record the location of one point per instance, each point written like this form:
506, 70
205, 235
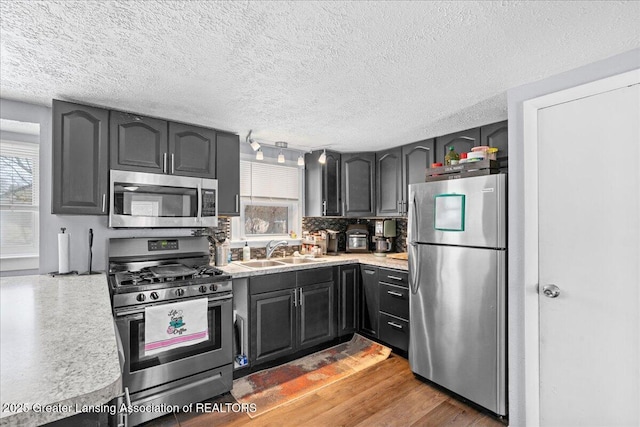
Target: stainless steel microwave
152, 200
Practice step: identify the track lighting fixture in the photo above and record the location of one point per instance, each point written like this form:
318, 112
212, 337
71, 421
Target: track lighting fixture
254, 144
323, 157
281, 155
300, 160
259, 154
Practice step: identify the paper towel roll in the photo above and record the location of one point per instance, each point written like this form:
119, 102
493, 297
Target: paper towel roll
63, 252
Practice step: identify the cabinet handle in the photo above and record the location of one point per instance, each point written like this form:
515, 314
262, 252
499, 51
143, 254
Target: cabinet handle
370, 271
104, 202
395, 278
237, 203
173, 164
324, 208
394, 325
301, 299
164, 163
295, 297
395, 294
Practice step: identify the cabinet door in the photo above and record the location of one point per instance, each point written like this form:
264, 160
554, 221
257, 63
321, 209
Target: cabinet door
80, 159
273, 325
369, 301
416, 159
348, 299
192, 150
317, 316
331, 184
462, 142
137, 143
358, 181
389, 182
228, 173
313, 185
497, 135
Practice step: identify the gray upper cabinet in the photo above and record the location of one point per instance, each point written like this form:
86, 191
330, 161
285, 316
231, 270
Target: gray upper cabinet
322, 184
137, 143
228, 173
80, 159
192, 150
389, 194
497, 135
358, 184
416, 159
462, 142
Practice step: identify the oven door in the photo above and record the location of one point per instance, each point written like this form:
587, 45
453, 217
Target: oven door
142, 372
140, 199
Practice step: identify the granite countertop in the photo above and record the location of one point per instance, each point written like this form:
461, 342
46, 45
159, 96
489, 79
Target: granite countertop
237, 270
58, 347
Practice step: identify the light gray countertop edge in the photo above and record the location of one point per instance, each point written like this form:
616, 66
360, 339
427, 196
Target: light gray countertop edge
63, 346
238, 271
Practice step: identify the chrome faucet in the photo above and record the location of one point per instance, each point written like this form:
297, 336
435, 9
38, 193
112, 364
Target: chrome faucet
273, 244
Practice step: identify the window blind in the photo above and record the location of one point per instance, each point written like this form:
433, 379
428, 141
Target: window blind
269, 181
19, 198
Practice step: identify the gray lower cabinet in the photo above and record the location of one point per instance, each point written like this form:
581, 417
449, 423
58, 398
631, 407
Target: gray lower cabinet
369, 300
384, 309
137, 143
389, 194
192, 150
462, 142
228, 173
80, 159
358, 184
348, 301
290, 312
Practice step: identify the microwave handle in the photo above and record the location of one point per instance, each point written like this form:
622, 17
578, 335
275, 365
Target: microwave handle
199, 217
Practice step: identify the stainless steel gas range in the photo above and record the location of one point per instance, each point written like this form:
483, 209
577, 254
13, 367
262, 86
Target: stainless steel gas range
146, 273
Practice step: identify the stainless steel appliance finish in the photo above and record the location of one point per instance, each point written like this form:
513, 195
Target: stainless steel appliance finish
458, 290
139, 199
357, 238
148, 272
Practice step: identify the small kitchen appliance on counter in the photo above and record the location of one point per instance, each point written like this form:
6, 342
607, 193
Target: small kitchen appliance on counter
384, 239
165, 273
357, 238
332, 242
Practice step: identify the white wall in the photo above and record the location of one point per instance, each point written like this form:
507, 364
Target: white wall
609, 67
77, 225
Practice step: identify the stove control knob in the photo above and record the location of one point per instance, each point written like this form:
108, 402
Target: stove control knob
154, 295
202, 289
179, 292
140, 297
213, 288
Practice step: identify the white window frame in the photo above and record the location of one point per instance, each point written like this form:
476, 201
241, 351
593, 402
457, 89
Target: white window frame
27, 257
295, 206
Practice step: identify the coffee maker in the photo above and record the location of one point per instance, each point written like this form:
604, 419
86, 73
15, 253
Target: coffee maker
384, 236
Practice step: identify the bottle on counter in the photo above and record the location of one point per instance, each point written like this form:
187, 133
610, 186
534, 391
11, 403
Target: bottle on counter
246, 252
451, 156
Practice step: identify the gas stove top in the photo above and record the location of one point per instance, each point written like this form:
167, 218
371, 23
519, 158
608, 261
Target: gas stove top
145, 271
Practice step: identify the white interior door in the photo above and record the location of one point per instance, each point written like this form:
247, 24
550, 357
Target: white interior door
589, 247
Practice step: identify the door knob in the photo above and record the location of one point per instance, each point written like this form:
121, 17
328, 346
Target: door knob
551, 291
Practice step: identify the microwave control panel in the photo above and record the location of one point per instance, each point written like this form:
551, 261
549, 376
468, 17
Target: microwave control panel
162, 245
208, 203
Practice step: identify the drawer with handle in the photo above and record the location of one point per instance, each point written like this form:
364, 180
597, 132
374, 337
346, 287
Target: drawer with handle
397, 277
394, 300
394, 331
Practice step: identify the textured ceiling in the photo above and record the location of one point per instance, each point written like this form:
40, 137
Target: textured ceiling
352, 76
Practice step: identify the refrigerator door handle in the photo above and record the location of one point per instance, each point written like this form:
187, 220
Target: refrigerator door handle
414, 268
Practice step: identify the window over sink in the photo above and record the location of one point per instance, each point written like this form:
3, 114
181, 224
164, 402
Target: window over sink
270, 201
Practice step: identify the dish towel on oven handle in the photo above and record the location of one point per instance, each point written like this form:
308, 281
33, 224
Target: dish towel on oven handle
179, 324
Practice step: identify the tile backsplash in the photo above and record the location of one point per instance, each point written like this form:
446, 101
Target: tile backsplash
312, 224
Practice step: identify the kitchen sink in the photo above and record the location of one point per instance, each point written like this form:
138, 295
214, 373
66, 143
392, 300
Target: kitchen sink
298, 260
263, 263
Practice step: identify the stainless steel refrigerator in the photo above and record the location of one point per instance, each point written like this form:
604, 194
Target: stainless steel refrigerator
457, 274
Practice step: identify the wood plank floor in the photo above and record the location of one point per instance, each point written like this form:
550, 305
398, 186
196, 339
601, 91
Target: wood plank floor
386, 394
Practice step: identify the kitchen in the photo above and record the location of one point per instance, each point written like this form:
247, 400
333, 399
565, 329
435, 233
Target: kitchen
374, 149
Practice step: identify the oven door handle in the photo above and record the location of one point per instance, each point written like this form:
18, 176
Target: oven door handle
138, 313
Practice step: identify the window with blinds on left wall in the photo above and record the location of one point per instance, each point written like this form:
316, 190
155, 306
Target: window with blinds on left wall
19, 203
